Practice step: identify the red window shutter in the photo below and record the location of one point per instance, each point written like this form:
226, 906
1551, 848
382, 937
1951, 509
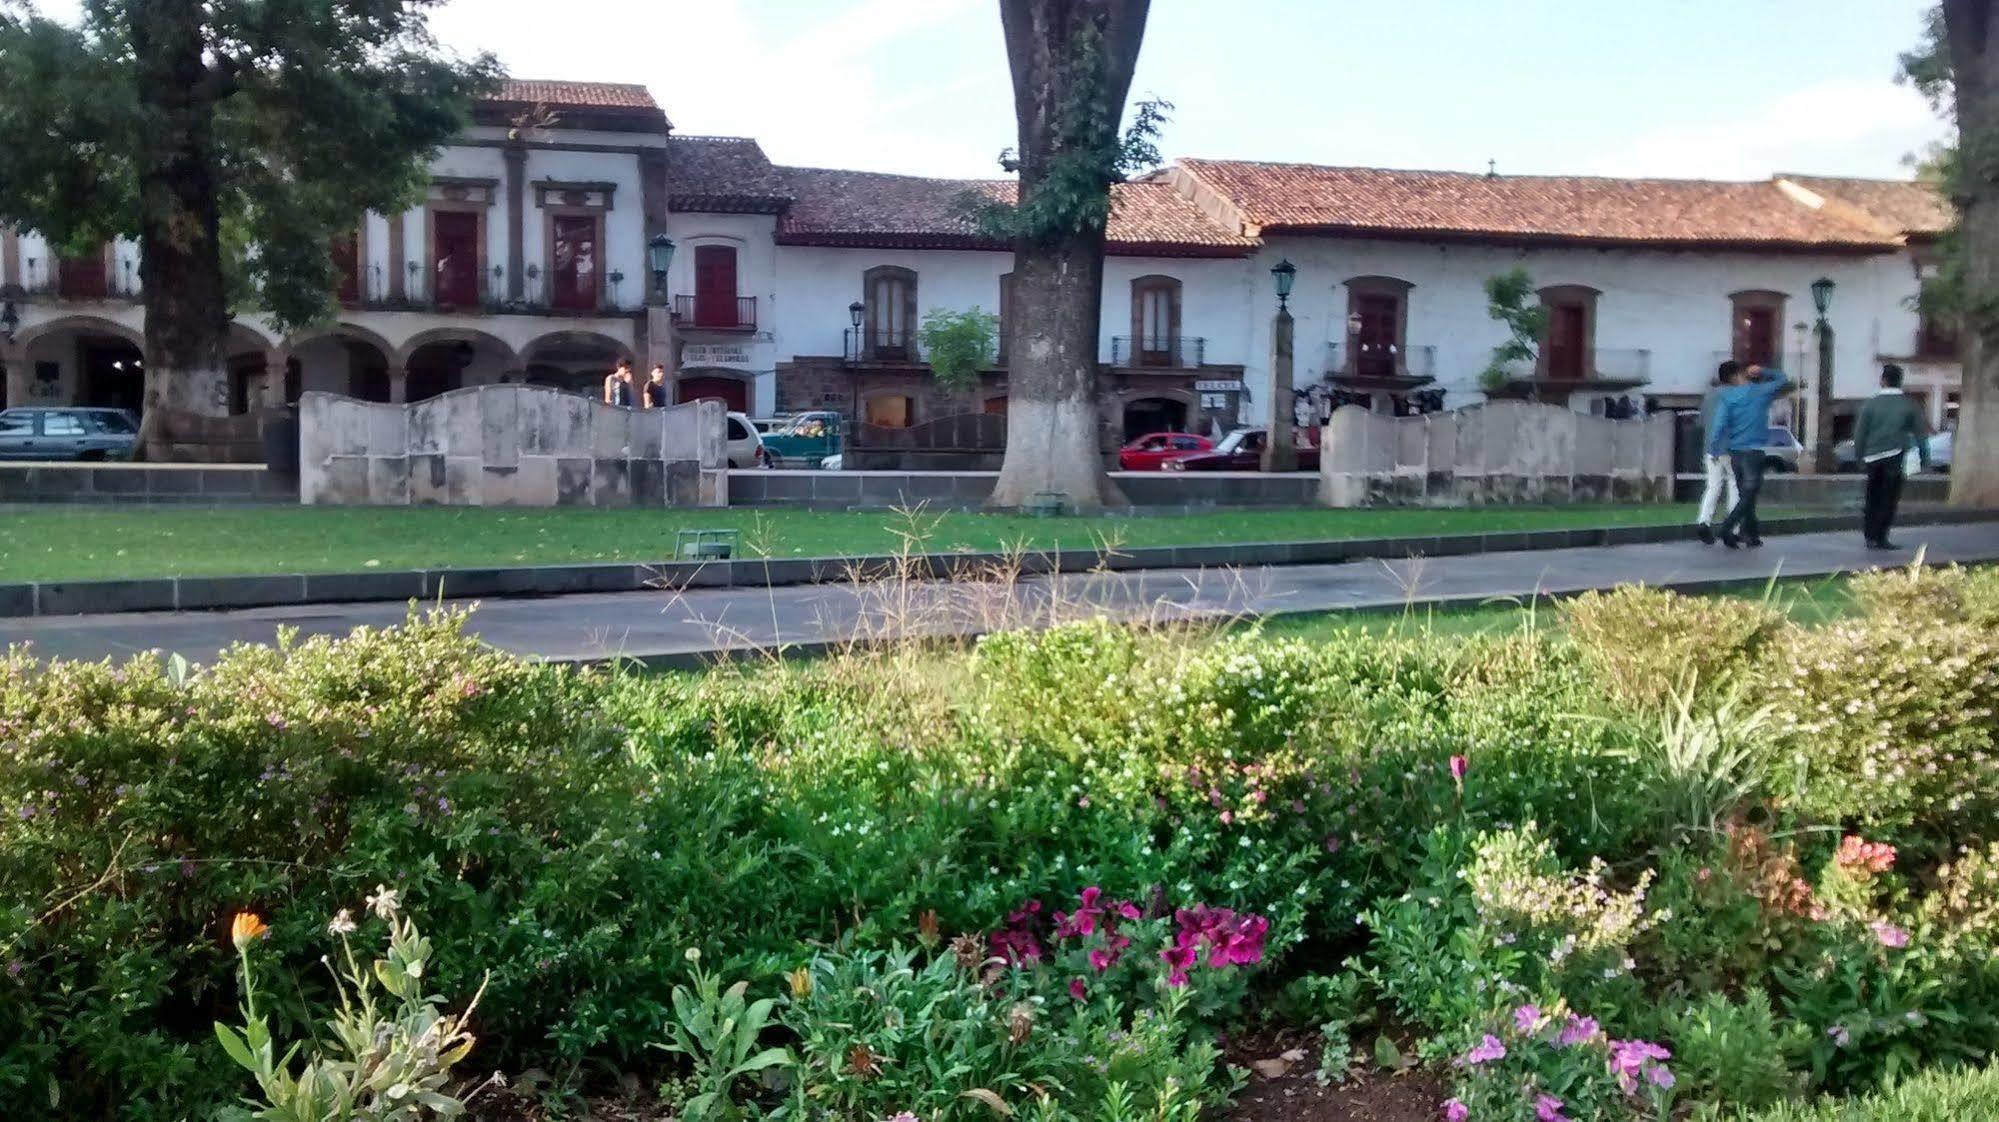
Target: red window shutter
715, 286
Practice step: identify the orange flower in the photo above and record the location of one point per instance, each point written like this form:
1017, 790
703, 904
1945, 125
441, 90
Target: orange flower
245, 927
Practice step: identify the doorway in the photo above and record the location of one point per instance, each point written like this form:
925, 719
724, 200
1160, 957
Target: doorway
1568, 341
114, 373
732, 392
1148, 415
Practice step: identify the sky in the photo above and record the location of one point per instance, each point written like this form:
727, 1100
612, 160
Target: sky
1732, 89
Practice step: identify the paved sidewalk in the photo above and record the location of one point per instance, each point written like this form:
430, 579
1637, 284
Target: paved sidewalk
672, 627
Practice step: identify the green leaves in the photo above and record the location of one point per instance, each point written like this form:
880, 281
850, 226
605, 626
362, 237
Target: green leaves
959, 345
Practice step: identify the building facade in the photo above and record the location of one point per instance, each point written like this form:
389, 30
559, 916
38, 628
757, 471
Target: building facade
805, 288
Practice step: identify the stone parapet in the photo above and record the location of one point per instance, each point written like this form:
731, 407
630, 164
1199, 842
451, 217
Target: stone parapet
510, 445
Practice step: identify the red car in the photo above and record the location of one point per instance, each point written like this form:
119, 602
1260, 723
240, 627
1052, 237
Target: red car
1150, 453
1242, 450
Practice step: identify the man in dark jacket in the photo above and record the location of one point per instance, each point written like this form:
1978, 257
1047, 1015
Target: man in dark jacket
1889, 426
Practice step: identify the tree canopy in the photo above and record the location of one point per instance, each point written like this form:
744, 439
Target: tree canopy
300, 115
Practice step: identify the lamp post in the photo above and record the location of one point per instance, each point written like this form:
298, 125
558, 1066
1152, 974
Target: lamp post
660, 345
659, 257
1822, 454
1280, 449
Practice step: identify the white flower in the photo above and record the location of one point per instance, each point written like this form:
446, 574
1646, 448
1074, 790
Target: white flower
343, 923
384, 901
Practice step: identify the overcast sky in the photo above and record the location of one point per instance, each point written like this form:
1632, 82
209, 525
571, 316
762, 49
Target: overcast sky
1694, 88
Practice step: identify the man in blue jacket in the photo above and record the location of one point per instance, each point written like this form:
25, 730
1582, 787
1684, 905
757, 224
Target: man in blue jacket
1740, 429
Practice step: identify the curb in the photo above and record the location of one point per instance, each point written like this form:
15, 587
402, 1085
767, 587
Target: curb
174, 594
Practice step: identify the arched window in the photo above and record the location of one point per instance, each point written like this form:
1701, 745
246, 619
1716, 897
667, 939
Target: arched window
1756, 327
889, 292
1155, 321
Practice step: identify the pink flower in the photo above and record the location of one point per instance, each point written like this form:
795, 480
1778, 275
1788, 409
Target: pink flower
905, 1116
1578, 1030
1889, 934
1455, 1111
1548, 1108
1629, 1059
1485, 1051
1077, 989
1862, 858
1179, 958
1527, 1020
1459, 765
1101, 960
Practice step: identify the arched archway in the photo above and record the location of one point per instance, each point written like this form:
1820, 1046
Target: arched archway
701, 383
575, 360
449, 358
354, 362
1146, 415
96, 325
81, 360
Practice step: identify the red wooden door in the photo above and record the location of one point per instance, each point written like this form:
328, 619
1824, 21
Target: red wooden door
1758, 342
347, 266
715, 286
1568, 342
576, 263
455, 252
82, 278
733, 392
1375, 342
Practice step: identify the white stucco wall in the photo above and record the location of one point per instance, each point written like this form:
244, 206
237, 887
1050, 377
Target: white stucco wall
1674, 305
624, 224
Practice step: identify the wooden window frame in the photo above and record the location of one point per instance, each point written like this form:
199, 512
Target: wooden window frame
1739, 305
454, 195
1584, 296
1140, 287
872, 347
595, 215
1365, 286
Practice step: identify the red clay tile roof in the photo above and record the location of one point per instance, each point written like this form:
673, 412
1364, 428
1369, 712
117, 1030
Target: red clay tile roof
874, 210
574, 95
1671, 213
1899, 206
723, 175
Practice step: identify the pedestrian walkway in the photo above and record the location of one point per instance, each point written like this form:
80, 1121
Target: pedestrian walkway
669, 627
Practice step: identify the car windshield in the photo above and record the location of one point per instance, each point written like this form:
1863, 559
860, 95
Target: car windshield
114, 422
1234, 441
811, 424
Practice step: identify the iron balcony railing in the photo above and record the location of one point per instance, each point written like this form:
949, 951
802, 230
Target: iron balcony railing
1167, 352
1792, 364
1603, 364
716, 313
1371, 361
540, 294
119, 281
875, 344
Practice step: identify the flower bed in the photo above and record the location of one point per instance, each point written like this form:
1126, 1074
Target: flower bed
1043, 879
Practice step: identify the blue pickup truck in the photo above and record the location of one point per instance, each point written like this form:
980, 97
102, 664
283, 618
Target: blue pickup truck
805, 439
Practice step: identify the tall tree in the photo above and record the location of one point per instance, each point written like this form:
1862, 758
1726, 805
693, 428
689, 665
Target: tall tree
1957, 67
1072, 62
233, 139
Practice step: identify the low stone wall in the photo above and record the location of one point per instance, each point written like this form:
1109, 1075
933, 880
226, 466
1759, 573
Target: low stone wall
161, 484
1499, 452
510, 445
1159, 492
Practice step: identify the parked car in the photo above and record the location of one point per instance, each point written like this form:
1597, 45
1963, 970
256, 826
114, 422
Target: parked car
1940, 446
1241, 450
746, 447
67, 434
1781, 450
804, 439
1150, 452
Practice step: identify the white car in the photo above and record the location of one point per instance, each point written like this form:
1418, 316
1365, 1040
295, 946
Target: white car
1940, 443
746, 446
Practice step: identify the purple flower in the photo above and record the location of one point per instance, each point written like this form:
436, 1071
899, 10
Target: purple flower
1078, 989
1578, 1030
1839, 1035
1631, 1059
1459, 766
14, 968
1485, 1051
1455, 1111
1527, 1020
1889, 934
1548, 1108
1179, 958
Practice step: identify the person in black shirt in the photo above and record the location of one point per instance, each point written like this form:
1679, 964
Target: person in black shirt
618, 388
655, 388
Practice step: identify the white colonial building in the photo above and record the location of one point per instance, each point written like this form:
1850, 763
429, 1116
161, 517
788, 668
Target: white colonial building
795, 288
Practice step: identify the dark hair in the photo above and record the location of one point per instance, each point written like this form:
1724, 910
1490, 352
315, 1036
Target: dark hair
624, 363
1727, 371
1891, 376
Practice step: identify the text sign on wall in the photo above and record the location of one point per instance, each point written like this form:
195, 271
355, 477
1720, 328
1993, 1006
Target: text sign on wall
715, 354
1218, 387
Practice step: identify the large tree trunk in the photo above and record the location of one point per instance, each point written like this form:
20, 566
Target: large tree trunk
180, 264
1054, 423
1974, 58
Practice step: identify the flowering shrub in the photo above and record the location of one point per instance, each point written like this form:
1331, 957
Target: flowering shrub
1647, 643
1920, 595
1552, 1065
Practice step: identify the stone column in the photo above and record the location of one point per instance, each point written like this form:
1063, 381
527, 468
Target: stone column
399, 386
517, 175
397, 284
1280, 449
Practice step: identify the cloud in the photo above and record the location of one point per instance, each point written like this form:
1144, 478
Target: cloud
1840, 127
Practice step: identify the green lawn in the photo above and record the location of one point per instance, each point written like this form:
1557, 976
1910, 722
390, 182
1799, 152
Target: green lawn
79, 544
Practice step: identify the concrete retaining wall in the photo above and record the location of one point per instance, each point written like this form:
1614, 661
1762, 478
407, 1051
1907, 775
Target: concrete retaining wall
165, 484
1500, 452
510, 445
1161, 492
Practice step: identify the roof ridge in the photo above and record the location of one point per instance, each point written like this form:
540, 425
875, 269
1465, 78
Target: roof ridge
1480, 175
891, 175
713, 137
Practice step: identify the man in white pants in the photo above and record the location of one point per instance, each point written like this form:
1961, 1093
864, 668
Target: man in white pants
1720, 479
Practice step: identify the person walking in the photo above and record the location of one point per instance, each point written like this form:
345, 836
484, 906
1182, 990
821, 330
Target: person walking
1718, 492
655, 388
1740, 429
1889, 426
618, 388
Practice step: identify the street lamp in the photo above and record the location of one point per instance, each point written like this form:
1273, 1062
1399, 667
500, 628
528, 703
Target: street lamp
1285, 274
855, 311
1822, 452
659, 254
